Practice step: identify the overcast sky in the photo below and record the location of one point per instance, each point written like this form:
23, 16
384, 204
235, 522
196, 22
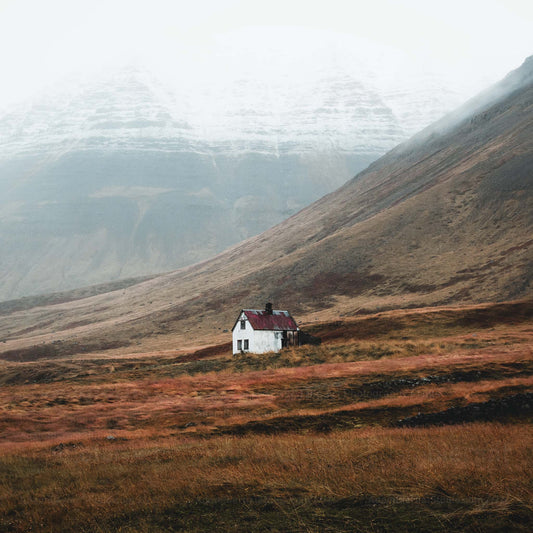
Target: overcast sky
43, 40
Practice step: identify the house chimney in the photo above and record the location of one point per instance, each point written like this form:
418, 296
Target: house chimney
268, 308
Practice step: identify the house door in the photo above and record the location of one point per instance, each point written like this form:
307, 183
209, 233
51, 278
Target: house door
284, 339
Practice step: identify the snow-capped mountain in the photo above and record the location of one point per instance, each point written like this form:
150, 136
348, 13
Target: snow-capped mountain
126, 175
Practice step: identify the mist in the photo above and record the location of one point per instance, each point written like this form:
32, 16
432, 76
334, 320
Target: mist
137, 138
469, 45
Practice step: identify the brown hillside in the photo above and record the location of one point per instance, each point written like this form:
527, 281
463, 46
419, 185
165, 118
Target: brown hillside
445, 218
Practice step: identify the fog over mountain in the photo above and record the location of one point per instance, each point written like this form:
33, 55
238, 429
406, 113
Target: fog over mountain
444, 218
131, 174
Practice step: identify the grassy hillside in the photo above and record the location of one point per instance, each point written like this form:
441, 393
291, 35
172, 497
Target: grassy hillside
443, 219
124, 409
414, 420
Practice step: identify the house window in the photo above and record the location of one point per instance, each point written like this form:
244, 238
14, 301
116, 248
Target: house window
243, 324
239, 345
246, 344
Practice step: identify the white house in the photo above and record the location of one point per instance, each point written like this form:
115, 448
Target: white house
261, 331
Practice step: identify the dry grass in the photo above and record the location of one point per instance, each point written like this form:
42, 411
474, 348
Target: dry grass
218, 398
86, 487
152, 443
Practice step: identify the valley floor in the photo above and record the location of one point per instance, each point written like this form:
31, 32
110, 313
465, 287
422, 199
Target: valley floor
419, 421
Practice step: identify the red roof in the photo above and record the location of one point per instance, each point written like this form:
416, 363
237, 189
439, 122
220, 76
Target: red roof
278, 320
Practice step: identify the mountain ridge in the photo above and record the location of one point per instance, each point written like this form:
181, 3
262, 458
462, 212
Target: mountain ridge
445, 220
119, 178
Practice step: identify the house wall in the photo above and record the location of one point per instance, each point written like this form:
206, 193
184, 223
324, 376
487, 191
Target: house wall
259, 341
241, 334
266, 341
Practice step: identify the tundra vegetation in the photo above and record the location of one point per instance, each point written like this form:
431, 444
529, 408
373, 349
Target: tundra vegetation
416, 420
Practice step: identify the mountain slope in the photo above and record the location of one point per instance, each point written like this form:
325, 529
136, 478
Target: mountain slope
445, 218
121, 177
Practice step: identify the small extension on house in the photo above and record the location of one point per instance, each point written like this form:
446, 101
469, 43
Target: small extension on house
262, 331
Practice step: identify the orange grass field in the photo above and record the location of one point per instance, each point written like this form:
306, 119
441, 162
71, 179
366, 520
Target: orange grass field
425, 426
